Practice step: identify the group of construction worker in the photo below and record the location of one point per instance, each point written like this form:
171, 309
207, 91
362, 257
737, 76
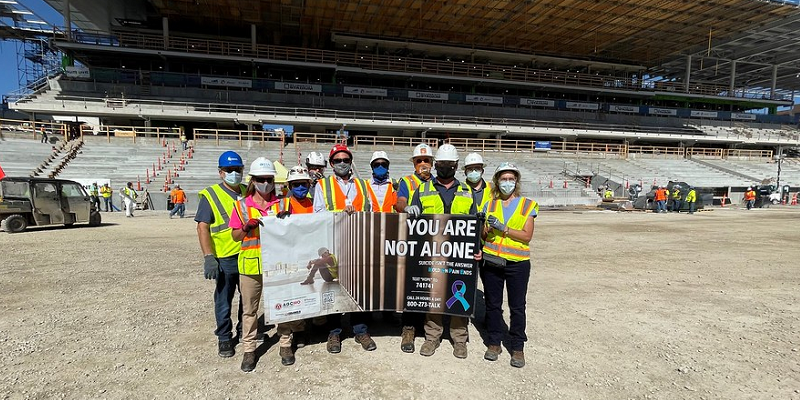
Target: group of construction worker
673, 201
229, 222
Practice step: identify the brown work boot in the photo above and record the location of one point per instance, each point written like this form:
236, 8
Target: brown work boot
428, 348
287, 356
249, 361
460, 350
407, 339
308, 281
517, 359
366, 342
492, 352
334, 344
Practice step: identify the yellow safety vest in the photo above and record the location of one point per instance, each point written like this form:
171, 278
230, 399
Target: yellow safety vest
412, 183
432, 202
105, 191
676, 194
486, 195
497, 243
334, 269
221, 207
250, 252
691, 197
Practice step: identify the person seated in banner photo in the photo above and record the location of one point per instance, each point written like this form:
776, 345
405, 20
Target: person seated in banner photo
326, 264
507, 261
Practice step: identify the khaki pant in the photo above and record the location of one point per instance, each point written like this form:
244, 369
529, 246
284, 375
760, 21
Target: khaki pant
250, 287
458, 328
285, 329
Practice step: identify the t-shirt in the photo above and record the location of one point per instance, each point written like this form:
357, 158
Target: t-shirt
204, 213
237, 223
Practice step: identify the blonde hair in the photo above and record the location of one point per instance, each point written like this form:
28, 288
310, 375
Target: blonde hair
496, 186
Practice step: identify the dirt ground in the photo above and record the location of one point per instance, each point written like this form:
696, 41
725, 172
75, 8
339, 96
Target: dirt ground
620, 305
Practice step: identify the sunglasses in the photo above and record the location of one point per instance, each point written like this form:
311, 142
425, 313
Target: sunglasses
380, 164
262, 179
340, 161
422, 160
298, 184
232, 169
315, 167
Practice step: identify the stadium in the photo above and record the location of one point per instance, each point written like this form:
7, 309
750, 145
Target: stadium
582, 96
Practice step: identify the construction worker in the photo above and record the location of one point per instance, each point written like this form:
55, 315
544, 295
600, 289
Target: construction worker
184, 141
220, 251
106, 192
661, 199
178, 197
509, 230
129, 196
327, 265
676, 198
381, 190
260, 200
473, 170
750, 198
691, 198
337, 193
315, 164
423, 163
608, 194
443, 194
94, 195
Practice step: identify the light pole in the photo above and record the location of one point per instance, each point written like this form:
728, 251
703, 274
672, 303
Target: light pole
779, 159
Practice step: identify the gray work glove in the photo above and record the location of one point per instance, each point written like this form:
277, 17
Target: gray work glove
495, 223
413, 211
210, 266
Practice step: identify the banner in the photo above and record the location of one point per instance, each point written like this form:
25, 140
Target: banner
542, 146
428, 95
704, 114
623, 109
365, 91
582, 106
298, 87
745, 116
382, 262
662, 111
230, 82
537, 103
77, 72
472, 98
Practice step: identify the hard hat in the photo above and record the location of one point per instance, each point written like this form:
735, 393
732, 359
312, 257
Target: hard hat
298, 173
506, 166
322, 250
447, 152
230, 159
338, 149
473, 159
422, 150
379, 155
749, 188
262, 167
316, 158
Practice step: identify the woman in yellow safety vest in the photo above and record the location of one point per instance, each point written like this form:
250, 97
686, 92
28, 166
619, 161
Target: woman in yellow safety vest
507, 257
260, 200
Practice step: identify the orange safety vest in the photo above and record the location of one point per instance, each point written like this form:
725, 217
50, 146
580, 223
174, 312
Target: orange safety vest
661, 194
178, 196
750, 195
388, 201
335, 200
250, 254
291, 204
413, 183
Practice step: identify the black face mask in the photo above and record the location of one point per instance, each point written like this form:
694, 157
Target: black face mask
445, 172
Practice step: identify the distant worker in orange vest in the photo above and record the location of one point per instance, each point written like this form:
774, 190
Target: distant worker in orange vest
423, 164
661, 199
178, 197
750, 198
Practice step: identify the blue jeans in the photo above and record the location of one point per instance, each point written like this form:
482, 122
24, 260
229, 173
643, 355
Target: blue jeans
357, 320
227, 286
661, 205
107, 204
691, 207
179, 209
515, 278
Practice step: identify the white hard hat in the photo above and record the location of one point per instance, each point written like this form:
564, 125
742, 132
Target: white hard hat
473, 159
749, 188
298, 173
447, 152
316, 158
422, 150
262, 167
379, 155
506, 166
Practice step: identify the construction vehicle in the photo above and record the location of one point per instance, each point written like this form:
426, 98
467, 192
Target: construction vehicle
28, 202
647, 201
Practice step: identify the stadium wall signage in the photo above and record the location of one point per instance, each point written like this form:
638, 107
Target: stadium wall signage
428, 95
537, 103
744, 116
662, 111
624, 109
229, 82
473, 98
298, 87
704, 114
365, 91
582, 106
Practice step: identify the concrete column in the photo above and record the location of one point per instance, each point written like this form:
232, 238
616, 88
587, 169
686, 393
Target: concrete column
774, 82
253, 36
688, 73
732, 86
68, 20
165, 25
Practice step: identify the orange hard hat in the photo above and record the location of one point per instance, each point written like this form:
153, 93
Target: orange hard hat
337, 149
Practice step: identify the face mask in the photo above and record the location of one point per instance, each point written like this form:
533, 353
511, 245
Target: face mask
507, 187
474, 176
233, 178
380, 173
445, 172
342, 169
300, 192
264, 187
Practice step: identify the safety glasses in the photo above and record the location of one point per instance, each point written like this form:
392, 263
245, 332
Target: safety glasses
340, 161
232, 169
262, 179
380, 164
422, 161
298, 184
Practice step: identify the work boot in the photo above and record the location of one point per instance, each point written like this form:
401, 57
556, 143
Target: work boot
428, 348
226, 349
287, 356
407, 339
249, 361
492, 352
517, 359
460, 350
366, 342
308, 281
334, 344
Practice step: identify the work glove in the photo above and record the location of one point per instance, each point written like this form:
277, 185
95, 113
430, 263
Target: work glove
317, 176
210, 266
495, 223
284, 214
413, 211
253, 223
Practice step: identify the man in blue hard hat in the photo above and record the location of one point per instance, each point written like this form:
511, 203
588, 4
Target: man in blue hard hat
220, 251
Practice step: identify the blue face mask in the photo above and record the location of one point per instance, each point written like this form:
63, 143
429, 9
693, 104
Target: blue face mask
300, 192
380, 173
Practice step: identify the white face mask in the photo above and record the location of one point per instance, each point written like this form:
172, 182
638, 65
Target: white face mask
507, 187
264, 187
474, 176
233, 178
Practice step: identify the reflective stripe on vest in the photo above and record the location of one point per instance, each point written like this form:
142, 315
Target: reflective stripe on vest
389, 199
224, 245
497, 243
432, 202
250, 255
335, 200
413, 182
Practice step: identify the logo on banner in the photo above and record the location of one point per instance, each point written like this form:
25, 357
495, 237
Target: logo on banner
458, 289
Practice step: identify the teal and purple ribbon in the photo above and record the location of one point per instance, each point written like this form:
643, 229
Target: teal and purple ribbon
458, 289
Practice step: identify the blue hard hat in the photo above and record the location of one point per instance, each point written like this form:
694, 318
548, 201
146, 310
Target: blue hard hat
230, 159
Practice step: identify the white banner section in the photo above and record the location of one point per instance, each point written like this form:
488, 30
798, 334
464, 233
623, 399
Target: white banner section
428, 95
230, 82
361, 91
749, 117
537, 103
298, 87
473, 98
704, 114
623, 109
